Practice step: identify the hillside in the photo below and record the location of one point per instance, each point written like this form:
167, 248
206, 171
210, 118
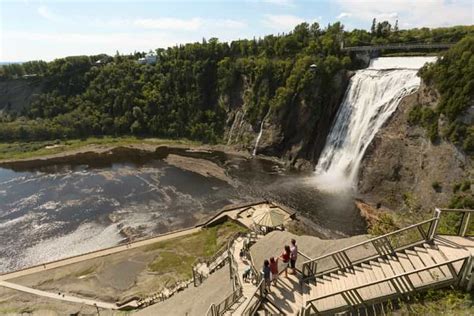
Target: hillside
288, 87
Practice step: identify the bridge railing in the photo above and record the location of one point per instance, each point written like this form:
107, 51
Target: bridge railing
398, 46
367, 250
392, 282
457, 222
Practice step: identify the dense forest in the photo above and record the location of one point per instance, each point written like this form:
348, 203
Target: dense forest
453, 78
189, 91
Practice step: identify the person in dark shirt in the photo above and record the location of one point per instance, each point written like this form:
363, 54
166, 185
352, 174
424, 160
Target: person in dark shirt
293, 256
266, 274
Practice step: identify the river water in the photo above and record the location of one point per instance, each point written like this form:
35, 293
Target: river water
58, 209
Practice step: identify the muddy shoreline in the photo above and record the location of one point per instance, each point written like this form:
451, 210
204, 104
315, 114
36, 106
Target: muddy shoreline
88, 153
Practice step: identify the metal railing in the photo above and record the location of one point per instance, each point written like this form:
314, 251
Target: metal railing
214, 262
458, 222
367, 250
398, 46
255, 300
353, 296
225, 304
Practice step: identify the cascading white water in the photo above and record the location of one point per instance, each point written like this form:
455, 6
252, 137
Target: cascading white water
258, 138
372, 96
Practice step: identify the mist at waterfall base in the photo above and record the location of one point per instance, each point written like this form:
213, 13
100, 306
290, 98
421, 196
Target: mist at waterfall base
371, 98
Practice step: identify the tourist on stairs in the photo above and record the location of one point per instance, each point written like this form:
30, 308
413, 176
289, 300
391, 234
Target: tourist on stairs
266, 275
274, 270
293, 256
285, 257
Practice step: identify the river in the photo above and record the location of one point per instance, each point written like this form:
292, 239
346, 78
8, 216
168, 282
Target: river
56, 209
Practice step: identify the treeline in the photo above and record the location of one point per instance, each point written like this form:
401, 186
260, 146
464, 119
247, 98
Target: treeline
453, 76
190, 90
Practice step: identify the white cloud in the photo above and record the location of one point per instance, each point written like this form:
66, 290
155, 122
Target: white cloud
344, 15
429, 13
282, 22
46, 13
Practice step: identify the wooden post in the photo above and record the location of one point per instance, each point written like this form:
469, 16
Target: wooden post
465, 223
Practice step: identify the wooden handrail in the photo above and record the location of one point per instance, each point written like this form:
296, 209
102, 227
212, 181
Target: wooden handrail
456, 210
254, 295
370, 240
304, 255
389, 278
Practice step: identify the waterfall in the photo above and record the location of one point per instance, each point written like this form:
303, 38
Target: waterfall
260, 134
236, 119
372, 96
258, 138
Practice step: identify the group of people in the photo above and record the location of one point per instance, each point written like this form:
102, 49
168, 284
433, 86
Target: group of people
270, 267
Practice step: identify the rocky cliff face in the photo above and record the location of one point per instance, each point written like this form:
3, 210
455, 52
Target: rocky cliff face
291, 133
403, 169
16, 94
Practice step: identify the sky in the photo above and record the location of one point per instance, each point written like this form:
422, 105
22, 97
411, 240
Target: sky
49, 29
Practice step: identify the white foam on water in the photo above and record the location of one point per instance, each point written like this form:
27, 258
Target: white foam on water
86, 238
50, 205
400, 62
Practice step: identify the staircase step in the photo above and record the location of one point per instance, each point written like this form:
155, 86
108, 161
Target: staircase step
371, 277
392, 266
438, 274
452, 252
385, 287
425, 276
438, 257
407, 266
361, 279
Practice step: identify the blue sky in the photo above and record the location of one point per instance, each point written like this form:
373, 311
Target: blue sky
51, 29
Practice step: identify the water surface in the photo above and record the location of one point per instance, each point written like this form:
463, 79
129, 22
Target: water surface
58, 209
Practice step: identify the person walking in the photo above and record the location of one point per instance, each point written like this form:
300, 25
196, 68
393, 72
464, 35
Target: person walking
293, 256
285, 257
274, 270
266, 274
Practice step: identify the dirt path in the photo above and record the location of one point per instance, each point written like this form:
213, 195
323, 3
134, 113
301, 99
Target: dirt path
58, 296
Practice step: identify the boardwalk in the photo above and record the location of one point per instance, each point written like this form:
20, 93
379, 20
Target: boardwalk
404, 272
368, 273
247, 287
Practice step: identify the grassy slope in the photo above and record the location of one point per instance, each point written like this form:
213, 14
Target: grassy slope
176, 256
25, 150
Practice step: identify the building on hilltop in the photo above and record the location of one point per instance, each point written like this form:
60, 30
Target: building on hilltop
149, 59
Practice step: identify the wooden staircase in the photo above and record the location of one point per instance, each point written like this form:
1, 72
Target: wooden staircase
363, 278
428, 265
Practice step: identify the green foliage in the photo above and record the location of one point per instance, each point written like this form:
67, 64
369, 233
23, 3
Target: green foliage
452, 75
439, 302
189, 91
384, 225
178, 255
